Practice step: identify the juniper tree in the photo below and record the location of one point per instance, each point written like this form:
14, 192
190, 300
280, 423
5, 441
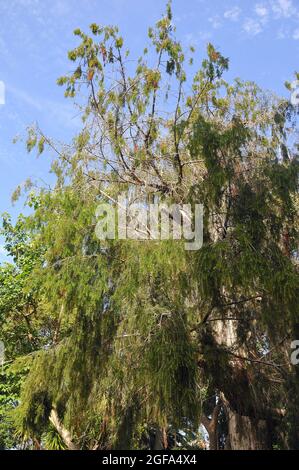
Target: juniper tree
151, 338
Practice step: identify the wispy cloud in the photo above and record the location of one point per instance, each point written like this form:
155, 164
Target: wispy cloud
252, 27
195, 39
25, 97
283, 8
266, 12
233, 14
261, 10
215, 21
63, 112
282, 33
296, 34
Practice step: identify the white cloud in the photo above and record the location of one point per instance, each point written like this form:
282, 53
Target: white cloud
233, 14
252, 27
64, 113
205, 35
261, 10
282, 34
283, 8
215, 21
25, 98
196, 39
296, 34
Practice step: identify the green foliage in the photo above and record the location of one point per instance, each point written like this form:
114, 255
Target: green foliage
11, 379
52, 440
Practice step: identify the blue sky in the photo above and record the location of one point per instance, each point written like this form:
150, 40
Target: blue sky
261, 38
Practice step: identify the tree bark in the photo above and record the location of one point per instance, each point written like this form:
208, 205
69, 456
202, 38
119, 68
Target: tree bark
161, 441
247, 429
211, 426
246, 433
64, 433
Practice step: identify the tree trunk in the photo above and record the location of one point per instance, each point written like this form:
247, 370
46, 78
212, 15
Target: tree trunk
211, 425
246, 433
246, 429
64, 433
161, 441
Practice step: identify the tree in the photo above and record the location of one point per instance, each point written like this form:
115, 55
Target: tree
150, 337
26, 323
10, 383
18, 306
